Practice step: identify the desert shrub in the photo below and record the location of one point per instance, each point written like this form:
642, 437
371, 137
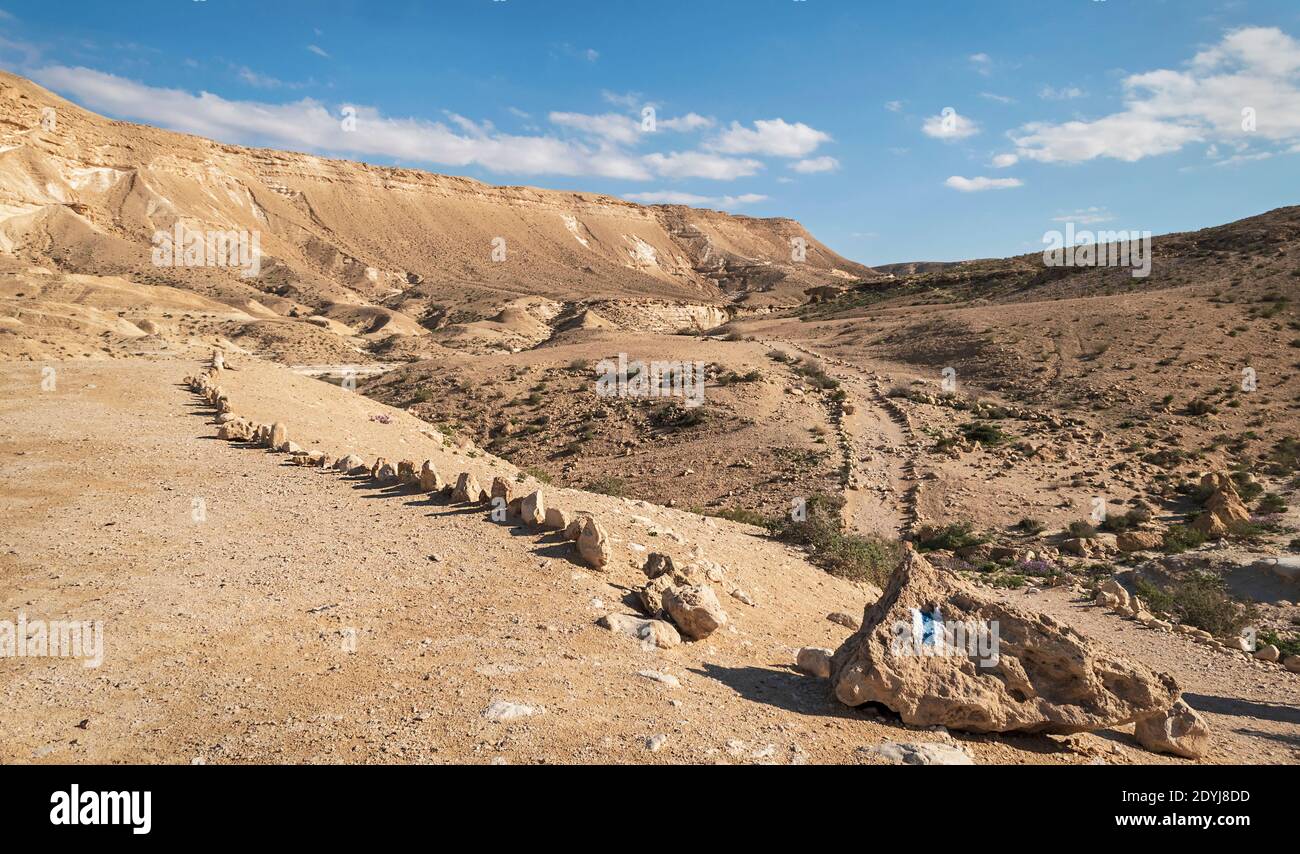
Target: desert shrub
608, 485
1083, 530
1200, 600
984, 434
538, 474
1286, 644
851, 556
957, 535
740, 514
1180, 538
1200, 407
1030, 526
778, 356
1272, 503
1116, 523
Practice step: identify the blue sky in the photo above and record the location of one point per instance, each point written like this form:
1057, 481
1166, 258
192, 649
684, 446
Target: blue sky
1118, 113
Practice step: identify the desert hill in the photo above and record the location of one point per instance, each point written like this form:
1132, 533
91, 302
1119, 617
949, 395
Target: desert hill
385, 251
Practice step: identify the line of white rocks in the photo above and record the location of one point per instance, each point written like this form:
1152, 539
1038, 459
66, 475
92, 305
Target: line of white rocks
678, 601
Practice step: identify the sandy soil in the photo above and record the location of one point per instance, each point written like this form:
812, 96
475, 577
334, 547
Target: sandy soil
226, 639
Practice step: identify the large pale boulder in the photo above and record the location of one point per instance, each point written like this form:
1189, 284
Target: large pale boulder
1178, 730
557, 519
279, 434
503, 489
430, 480
1139, 541
593, 543
237, 430
351, 464
467, 490
655, 633
576, 523
406, 473
384, 471
695, 609
1016, 671
814, 661
532, 509
1223, 508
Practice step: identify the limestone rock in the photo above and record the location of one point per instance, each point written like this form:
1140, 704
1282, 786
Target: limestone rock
576, 523
557, 519
814, 661
658, 564
1223, 507
593, 543
655, 633
467, 490
1041, 676
350, 464
503, 489
695, 609
1139, 541
237, 430
430, 480
279, 434
532, 509
919, 753
406, 474
1292, 663
1180, 731
385, 472
378, 464
1268, 653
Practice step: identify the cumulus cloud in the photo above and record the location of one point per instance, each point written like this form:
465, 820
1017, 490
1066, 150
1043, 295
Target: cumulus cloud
611, 126
700, 164
816, 164
950, 124
775, 137
1253, 71
976, 185
458, 141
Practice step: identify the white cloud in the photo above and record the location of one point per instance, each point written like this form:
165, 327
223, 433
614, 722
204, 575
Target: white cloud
893, 106
982, 63
592, 55
976, 185
1164, 110
688, 122
672, 197
950, 124
318, 51
1003, 161
816, 164
1066, 93
770, 136
610, 126
308, 125
699, 164
1001, 99
1086, 216
627, 100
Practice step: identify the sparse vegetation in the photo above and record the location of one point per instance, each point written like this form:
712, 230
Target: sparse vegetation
1201, 600
851, 556
957, 535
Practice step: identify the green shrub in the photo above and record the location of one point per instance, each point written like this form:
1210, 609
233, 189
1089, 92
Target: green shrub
850, 556
1083, 530
984, 434
1030, 526
1181, 538
958, 535
608, 485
